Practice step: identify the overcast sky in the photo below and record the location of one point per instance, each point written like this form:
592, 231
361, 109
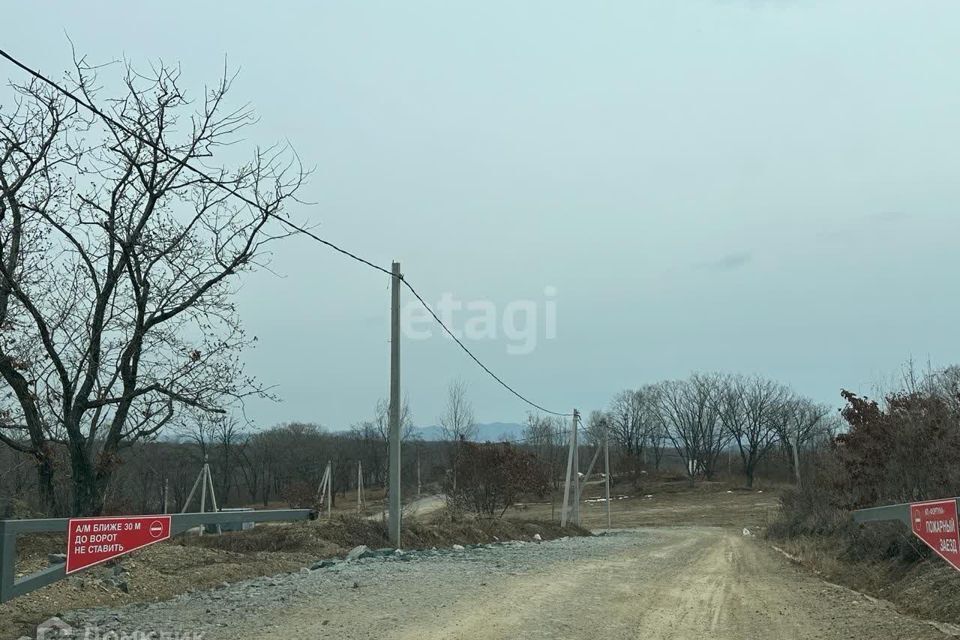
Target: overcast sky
761, 187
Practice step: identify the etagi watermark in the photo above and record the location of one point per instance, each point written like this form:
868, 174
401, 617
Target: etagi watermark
55, 628
523, 323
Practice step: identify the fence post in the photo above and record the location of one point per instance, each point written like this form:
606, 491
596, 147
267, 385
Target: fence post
8, 561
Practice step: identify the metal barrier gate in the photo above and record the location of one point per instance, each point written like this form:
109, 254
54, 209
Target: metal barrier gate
899, 512
11, 587
935, 522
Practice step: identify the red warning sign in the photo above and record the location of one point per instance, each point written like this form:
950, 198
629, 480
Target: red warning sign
91, 541
935, 522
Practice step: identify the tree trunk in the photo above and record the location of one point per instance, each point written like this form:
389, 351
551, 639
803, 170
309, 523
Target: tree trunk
45, 485
88, 484
796, 460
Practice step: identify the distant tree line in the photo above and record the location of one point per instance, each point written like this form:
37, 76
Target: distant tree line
707, 425
702, 419
279, 466
690, 425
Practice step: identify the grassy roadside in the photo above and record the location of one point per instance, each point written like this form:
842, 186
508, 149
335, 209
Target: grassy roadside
926, 588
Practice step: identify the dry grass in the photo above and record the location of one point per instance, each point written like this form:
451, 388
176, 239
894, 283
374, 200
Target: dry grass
343, 533
928, 589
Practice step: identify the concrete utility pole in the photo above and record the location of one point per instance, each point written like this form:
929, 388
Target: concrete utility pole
360, 501
329, 475
394, 480
204, 480
576, 469
606, 466
571, 474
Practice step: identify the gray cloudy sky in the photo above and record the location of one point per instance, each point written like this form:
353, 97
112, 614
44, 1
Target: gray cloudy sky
763, 187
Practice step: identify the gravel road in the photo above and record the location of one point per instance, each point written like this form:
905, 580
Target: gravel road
656, 584
418, 508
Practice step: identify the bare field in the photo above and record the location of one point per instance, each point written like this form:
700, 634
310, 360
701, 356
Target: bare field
667, 503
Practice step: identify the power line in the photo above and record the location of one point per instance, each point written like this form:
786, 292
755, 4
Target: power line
474, 358
89, 106
183, 163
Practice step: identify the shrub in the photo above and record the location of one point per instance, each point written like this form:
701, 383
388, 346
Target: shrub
491, 477
906, 450
300, 495
909, 450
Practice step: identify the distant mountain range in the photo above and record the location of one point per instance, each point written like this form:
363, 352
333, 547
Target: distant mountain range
486, 432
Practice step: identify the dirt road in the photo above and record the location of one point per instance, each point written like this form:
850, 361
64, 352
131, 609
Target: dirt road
668, 583
419, 508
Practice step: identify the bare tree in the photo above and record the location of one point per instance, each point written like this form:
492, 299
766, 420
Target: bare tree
596, 430
229, 440
802, 422
545, 436
657, 439
117, 267
688, 408
635, 425
371, 450
456, 423
751, 411
626, 422
382, 421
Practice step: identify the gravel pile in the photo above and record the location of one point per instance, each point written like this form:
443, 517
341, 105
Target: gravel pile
234, 610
